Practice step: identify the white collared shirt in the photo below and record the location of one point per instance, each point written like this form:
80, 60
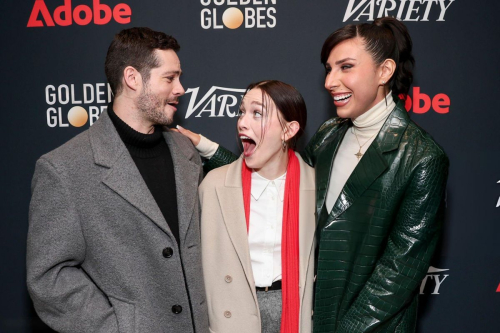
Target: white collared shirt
264, 235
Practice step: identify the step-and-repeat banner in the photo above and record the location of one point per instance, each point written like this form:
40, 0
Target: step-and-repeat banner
53, 87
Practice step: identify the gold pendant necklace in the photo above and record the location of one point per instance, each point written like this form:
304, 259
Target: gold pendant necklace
359, 154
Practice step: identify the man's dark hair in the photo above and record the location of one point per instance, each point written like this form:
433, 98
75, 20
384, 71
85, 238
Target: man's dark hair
135, 47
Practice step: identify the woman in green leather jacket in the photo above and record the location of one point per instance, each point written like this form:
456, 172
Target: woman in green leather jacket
380, 185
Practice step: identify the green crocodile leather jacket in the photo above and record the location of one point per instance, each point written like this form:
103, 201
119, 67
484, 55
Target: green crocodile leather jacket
376, 244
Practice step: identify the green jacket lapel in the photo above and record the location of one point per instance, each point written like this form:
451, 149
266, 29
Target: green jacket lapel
371, 166
373, 163
324, 165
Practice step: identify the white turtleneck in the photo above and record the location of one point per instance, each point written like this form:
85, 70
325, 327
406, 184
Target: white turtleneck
365, 128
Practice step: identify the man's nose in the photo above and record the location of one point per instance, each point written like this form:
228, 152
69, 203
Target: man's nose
179, 89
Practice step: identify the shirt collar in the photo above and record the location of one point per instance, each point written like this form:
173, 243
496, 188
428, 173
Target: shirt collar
259, 185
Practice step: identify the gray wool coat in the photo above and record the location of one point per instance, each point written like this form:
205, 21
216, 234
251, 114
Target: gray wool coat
96, 240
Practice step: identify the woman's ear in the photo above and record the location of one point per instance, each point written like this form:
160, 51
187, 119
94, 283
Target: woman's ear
387, 69
291, 129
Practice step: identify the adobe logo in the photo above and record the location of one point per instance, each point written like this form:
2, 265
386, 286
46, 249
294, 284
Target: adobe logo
65, 15
440, 103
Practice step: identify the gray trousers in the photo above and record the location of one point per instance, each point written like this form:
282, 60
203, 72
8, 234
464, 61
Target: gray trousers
270, 310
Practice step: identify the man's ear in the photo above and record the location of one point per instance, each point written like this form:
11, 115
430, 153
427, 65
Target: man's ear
132, 78
291, 130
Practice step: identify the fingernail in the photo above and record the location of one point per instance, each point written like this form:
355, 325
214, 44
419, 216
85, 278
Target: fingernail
179, 126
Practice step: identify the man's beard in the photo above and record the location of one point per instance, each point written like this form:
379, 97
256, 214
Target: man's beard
153, 108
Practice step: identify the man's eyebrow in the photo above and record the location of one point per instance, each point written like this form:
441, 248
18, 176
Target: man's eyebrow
171, 72
343, 60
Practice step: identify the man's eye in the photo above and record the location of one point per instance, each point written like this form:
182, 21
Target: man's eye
170, 78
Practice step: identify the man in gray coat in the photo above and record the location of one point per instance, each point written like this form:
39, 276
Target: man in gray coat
114, 235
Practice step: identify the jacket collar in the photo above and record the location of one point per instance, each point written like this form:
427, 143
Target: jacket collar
392, 131
371, 166
125, 179
324, 162
106, 144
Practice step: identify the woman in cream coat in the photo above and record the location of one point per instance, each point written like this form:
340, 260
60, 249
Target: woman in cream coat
242, 246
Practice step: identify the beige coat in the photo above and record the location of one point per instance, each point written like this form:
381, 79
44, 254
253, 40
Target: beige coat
231, 299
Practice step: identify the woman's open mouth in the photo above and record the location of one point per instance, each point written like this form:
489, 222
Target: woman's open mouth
249, 145
341, 99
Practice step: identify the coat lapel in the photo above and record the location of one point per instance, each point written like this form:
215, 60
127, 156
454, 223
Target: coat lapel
373, 163
324, 165
123, 177
307, 220
370, 167
230, 198
187, 179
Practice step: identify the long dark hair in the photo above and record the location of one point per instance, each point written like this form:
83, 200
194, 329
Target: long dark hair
385, 38
290, 105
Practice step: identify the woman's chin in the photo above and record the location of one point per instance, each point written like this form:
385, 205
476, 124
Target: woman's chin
256, 162
344, 113
250, 162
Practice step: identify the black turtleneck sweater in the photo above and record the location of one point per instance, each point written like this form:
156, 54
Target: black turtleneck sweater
153, 159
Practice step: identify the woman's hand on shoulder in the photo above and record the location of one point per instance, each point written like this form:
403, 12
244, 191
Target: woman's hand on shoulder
204, 146
194, 137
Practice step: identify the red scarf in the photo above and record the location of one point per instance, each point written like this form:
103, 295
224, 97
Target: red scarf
289, 240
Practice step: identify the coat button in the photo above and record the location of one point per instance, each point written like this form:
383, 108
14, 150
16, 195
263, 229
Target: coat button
176, 309
227, 314
228, 279
167, 252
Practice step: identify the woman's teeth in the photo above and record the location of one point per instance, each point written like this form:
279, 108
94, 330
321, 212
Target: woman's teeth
341, 97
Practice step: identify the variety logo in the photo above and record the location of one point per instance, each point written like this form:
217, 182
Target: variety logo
422, 103
437, 276
65, 14
217, 102
218, 14
79, 103
403, 10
